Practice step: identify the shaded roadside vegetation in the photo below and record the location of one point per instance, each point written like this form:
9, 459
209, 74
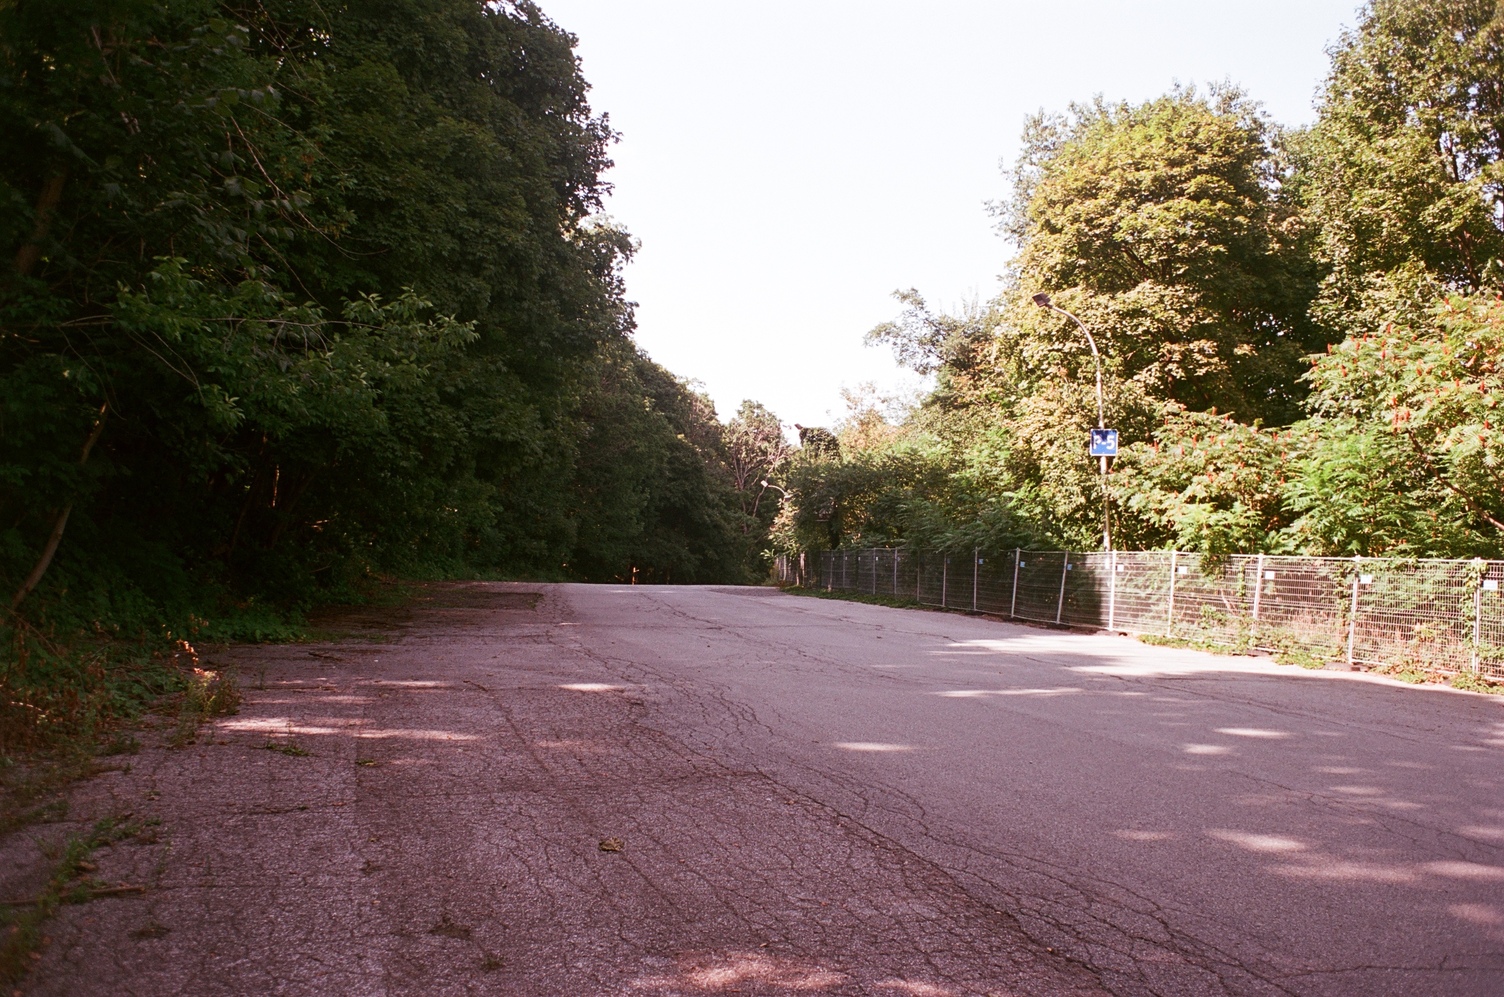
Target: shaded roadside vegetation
1302, 329
297, 296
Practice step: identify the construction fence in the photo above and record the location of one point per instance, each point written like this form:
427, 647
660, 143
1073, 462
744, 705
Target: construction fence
1430, 615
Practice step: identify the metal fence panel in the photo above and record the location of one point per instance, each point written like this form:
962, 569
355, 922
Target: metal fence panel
995, 583
1085, 591
1418, 613
1300, 604
1210, 601
1041, 580
1138, 596
1488, 630
929, 578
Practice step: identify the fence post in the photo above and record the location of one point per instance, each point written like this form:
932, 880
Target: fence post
1477, 614
1013, 596
918, 568
874, 571
1112, 591
1064, 567
1258, 593
1477, 621
1170, 616
896, 555
1258, 587
1352, 616
973, 579
944, 577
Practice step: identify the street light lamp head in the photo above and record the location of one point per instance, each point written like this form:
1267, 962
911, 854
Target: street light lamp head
764, 482
1043, 300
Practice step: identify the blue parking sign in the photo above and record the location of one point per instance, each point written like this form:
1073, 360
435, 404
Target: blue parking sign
1104, 442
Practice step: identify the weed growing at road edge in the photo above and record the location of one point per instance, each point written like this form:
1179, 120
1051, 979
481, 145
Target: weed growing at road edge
208, 694
1477, 683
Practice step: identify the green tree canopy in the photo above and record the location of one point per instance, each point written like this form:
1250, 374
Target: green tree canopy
318, 290
1164, 227
1402, 172
1406, 449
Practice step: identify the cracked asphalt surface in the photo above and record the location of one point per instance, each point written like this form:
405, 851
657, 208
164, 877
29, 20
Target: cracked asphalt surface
808, 797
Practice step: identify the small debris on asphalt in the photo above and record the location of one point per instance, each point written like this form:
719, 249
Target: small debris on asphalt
449, 928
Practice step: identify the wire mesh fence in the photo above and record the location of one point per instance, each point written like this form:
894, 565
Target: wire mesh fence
1431, 615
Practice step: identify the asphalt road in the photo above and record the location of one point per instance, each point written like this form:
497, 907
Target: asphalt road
808, 797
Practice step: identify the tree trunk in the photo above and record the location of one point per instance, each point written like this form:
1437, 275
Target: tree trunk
31, 250
60, 521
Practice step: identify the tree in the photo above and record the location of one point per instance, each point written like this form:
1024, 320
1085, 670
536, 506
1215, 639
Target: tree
1402, 172
652, 499
318, 290
1206, 483
1164, 226
1406, 451
755, 447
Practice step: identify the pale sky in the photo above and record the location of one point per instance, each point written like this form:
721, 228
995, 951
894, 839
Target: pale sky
787, 166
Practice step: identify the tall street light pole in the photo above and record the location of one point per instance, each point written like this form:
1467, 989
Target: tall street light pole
1043, 301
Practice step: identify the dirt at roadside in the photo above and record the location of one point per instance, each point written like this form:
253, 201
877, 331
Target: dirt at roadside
463, 797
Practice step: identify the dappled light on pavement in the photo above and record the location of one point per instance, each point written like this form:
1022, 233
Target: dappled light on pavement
716, 974
871, 746
980, 693
916, 989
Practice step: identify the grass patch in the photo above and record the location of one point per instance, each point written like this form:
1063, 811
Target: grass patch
1407, 672
289, 748
1189, 643
75, 686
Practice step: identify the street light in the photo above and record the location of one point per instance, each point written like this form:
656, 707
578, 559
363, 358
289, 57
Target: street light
766, 484
1043, 301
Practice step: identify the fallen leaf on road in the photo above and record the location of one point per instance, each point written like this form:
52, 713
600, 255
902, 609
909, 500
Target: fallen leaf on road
449, 929
612, 845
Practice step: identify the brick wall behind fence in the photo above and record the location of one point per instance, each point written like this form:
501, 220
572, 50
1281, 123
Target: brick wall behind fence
1438, 615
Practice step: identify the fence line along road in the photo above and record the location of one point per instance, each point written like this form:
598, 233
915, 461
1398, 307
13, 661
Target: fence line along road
1434, 615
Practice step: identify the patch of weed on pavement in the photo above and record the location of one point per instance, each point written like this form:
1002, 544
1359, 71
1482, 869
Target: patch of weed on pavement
22, 919
208, 694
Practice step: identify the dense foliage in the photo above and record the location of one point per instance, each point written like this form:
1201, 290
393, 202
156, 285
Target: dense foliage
1299, 329
298, 292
